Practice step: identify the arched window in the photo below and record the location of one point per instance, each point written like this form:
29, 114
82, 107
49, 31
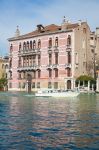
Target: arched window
50, 42
30, 44
11, 48
68, 72
24, 46
6, 66
27, 45
39, 43
2, 66
56, 41
69, 57
19, 46
69, 40
34, 44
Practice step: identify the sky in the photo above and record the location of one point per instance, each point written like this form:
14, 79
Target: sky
28, 13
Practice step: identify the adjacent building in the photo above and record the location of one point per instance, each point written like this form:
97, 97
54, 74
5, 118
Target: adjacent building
52, 56
4, 67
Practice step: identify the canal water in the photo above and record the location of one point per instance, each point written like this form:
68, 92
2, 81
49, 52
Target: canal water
29, 123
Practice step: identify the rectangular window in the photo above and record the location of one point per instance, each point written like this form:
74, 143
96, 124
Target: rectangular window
55, 85
68, 72
19, 75
23, 86
69, 58
39, 73
34, 59
19, 61
49, 85
50, 59
10, 85
19, 85
38, 84
50, 73
34, 75
24, 61
33, 85
56, 58
39, 60
56, 73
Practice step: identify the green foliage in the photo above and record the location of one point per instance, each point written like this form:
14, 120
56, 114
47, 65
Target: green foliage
85, 78
3, 82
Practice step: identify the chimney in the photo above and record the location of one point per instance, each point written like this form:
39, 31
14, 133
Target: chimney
17, 33
40, 27
65, 24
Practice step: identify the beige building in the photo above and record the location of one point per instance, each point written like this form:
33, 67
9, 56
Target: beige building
4, 67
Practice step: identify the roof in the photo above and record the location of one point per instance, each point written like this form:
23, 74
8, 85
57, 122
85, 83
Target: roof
52, 28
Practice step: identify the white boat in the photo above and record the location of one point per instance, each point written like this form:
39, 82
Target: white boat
56, 93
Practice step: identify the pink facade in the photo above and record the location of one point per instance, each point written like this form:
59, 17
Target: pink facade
46, 57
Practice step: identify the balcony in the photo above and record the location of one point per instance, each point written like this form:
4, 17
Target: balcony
55, 66
38, 67
27, 68
38, 51
68, 48
56, 49
27, 52
49, 50
49, 66
68, 65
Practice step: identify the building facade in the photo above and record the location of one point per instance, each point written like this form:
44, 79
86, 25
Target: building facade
49, 57
4, 67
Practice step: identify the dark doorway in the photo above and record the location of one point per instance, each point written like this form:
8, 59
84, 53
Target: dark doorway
69, 84
29, 79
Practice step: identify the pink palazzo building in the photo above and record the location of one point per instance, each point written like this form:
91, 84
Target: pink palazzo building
50, 57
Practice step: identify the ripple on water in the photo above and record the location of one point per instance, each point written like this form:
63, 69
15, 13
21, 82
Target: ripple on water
31, 123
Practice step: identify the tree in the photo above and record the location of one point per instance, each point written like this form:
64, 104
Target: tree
85, 78
3, 83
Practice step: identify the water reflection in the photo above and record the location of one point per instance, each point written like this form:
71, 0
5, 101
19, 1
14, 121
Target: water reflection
33, 123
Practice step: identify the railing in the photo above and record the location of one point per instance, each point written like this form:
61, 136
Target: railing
56, 49
49, 49
34, 67
49, 66
55, 66
68, 65
68, 48
29, 52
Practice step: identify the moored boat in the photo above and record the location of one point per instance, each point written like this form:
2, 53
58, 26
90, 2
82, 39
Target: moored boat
56, 93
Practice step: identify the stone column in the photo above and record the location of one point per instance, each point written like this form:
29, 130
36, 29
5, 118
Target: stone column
88, 85
97, 85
